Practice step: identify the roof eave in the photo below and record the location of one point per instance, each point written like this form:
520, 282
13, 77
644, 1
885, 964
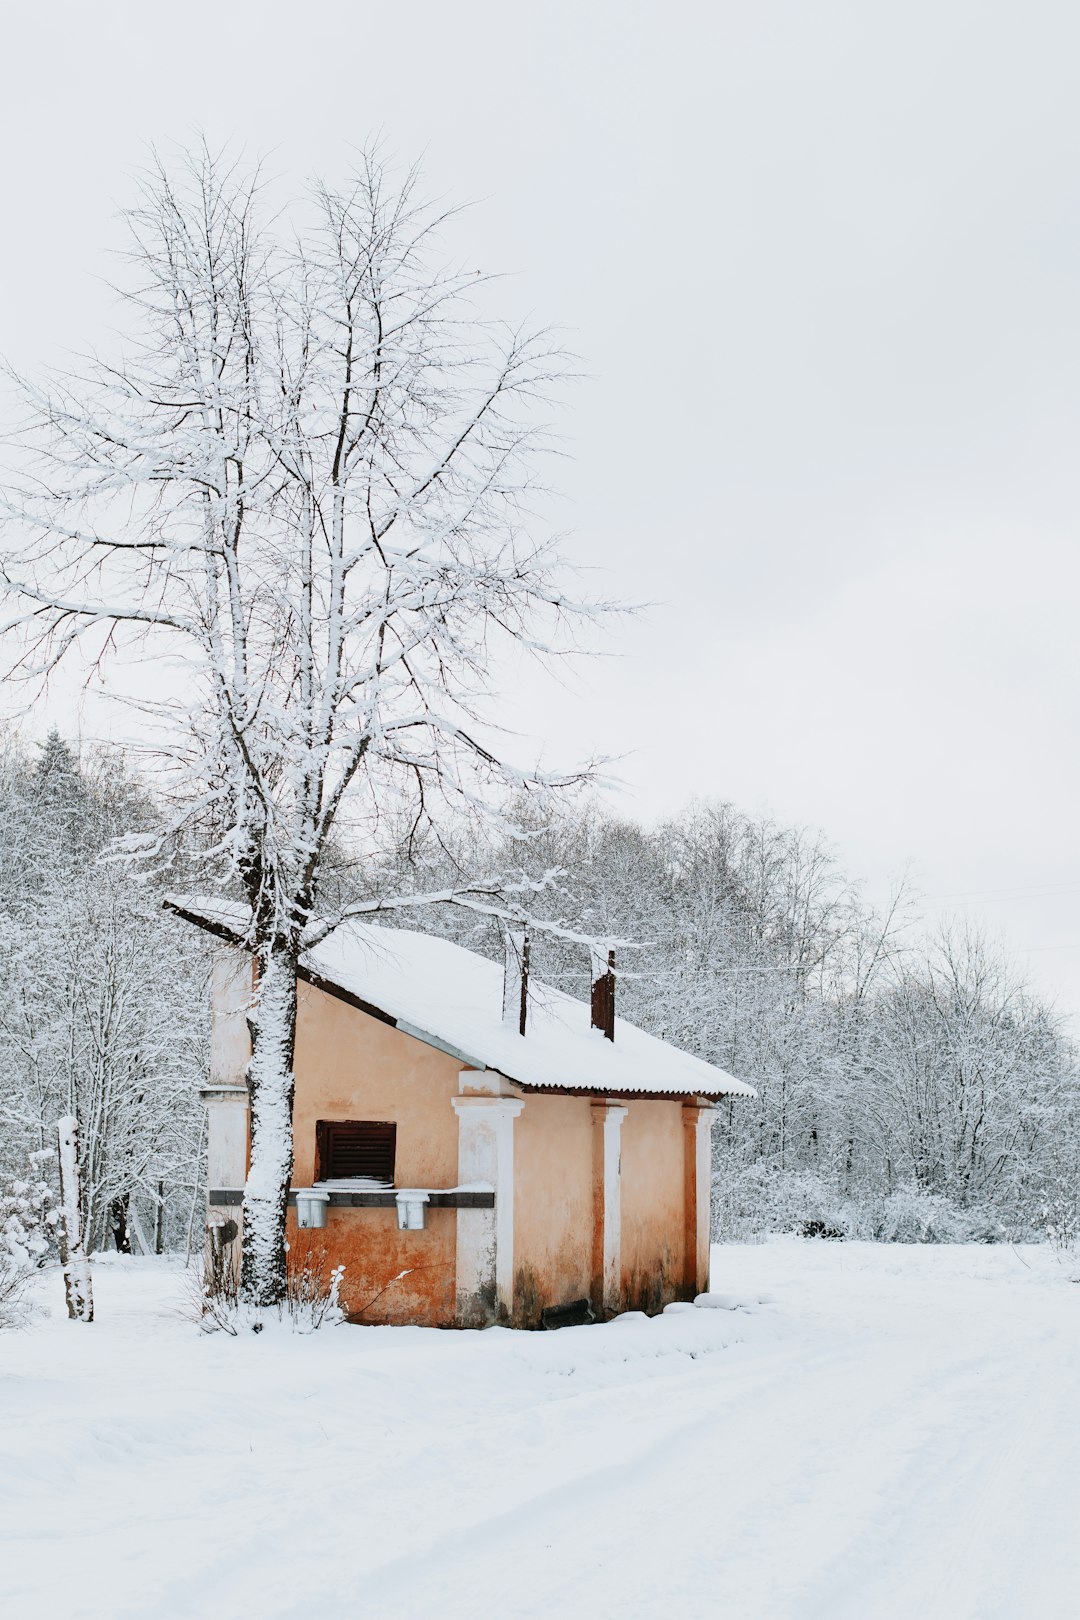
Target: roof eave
616, 1093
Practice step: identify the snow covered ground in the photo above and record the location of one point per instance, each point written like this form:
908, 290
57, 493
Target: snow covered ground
894, 1436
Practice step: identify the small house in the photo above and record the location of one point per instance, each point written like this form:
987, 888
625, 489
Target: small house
476, 1146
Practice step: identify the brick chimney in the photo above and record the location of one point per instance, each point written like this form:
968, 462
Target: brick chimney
603, 996
515, 1003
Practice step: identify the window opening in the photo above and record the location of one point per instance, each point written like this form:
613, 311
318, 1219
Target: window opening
355, 1150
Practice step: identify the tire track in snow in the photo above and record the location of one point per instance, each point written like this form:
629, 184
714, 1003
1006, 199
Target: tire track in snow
794, 1517
977, 1490
632, 1566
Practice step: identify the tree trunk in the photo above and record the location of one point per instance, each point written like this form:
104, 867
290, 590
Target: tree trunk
136, 1230
77, 1288
159, 1220
118, 1223
270, 1092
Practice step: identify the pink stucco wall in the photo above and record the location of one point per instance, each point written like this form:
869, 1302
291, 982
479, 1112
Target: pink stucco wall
553, 1204
653, 1204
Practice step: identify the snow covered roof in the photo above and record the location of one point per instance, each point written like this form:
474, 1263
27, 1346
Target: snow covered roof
451, 998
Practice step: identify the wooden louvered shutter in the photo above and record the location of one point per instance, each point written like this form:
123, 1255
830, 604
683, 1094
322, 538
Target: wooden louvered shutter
347, 1148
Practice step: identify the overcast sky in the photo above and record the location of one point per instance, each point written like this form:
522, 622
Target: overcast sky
821, 263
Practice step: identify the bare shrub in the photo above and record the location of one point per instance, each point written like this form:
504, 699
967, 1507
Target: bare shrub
311, 1293
216, 1281
14, 1301
312, 1284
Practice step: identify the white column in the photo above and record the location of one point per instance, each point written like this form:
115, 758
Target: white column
230, 1001
227, 1135
485, 1237
226, 1163
226, 1096
698, 1122
607, 1206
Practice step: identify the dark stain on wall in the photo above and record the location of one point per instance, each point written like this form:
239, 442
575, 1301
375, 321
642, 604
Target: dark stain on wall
529, 1298
651, 1290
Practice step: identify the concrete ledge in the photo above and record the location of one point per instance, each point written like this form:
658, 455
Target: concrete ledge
452, 1199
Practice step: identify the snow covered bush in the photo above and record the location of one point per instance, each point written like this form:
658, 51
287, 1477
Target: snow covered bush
1061, 1224
215, 1287
912, 1215
28, 1219
758, 1199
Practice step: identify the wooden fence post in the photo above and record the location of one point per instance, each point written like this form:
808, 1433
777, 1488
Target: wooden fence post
77, 1288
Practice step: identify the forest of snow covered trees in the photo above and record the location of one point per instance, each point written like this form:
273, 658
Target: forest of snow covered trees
910, 1087
102, 1001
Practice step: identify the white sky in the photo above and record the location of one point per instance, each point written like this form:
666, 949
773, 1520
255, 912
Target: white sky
821, 262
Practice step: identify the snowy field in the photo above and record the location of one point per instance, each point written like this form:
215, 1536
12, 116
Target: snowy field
895, 1435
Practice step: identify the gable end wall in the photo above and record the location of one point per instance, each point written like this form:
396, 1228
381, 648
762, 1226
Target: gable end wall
351, 1066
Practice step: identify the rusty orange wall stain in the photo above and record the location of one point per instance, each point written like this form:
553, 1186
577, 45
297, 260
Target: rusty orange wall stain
369, 1245
653, 1203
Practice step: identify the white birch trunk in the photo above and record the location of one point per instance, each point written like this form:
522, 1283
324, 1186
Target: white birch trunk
77, 1287
137, 1232
270, 1089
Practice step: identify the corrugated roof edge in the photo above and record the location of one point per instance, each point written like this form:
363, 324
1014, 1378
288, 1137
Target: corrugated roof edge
230, 936
591, 1090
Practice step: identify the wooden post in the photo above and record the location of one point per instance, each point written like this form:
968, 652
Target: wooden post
159, 1220
77, 1287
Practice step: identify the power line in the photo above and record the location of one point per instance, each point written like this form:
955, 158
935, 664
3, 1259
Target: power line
1069, 886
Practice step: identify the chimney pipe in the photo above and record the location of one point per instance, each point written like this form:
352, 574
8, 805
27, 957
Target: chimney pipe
515, 1004
603, 996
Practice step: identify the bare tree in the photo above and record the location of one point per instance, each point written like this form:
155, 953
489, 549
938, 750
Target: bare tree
307, 483
973, 1066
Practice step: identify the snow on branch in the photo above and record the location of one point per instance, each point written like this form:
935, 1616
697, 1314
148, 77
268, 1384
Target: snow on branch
496, 899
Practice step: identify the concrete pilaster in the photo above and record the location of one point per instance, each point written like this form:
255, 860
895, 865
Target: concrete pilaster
698, 1121
485, 1237
607, 1207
